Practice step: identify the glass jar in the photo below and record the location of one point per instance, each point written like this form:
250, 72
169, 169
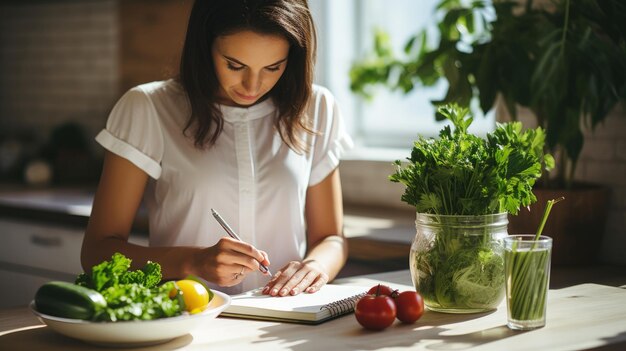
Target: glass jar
457, 262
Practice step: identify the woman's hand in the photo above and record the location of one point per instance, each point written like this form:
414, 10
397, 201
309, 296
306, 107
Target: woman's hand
296, 277
228, 262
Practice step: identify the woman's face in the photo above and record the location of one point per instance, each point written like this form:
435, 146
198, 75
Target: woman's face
248, 65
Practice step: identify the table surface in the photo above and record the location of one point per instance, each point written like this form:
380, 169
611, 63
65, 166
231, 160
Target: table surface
581, 317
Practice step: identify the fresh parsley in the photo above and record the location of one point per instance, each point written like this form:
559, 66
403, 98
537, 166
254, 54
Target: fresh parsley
462, 174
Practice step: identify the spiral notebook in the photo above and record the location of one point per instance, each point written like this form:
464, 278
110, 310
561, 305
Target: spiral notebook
330, 302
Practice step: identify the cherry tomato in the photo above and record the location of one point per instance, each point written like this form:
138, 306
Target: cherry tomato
410, 306
381, 290
375, 312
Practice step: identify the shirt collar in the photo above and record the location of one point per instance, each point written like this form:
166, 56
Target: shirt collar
234, 114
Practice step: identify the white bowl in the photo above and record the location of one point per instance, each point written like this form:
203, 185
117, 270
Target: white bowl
134, 333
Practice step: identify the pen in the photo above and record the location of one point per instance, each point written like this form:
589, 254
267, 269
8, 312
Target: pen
234, 235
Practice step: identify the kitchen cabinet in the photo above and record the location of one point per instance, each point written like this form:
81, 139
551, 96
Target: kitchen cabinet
33, 253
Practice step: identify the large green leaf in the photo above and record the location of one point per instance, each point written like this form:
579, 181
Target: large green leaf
567, 65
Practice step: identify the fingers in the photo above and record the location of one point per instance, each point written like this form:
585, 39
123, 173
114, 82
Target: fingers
240, 274
266, 260
320, 281
243, 254
305, 283
295, 278
289, 276
229, 261
231, 275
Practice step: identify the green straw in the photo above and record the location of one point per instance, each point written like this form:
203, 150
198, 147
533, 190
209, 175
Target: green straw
546, 213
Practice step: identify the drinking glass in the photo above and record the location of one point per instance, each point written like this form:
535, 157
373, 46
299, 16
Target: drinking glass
527, 278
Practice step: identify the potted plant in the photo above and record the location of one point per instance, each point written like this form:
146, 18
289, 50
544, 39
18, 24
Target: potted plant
564, 60
462, 187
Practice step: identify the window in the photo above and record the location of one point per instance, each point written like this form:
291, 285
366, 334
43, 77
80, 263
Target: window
345, 31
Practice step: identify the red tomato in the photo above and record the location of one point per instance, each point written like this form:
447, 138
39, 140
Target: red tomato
375, 312
381, 290
410, 306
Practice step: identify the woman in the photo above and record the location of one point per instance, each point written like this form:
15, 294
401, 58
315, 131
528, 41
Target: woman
242, 130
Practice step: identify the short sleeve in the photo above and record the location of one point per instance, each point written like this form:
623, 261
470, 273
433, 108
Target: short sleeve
333, 139
133, 131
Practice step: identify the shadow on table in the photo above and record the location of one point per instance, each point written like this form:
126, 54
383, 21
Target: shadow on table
425, 334
41, 337
614, 343
466, 341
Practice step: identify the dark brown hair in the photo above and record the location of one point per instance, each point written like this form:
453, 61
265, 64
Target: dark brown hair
212, 18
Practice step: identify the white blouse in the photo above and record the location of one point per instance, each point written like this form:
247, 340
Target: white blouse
250, 176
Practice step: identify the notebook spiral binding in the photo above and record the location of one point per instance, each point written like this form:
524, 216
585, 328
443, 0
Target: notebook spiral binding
342, 306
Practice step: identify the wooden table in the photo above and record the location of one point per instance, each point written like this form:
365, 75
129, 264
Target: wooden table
580, 317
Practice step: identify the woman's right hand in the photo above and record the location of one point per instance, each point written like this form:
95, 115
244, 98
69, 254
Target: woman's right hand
227, 262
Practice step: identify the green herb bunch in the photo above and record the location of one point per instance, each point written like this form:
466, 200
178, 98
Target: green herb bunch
131, 295
462, 174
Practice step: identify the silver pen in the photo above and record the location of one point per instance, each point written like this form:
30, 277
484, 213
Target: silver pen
234, 235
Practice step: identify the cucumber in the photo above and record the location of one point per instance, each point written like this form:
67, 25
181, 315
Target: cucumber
67, 300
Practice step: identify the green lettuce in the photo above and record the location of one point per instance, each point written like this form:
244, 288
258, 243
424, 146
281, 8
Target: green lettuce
131, 295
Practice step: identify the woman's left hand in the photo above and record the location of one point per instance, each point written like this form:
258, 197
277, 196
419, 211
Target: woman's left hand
296, 277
